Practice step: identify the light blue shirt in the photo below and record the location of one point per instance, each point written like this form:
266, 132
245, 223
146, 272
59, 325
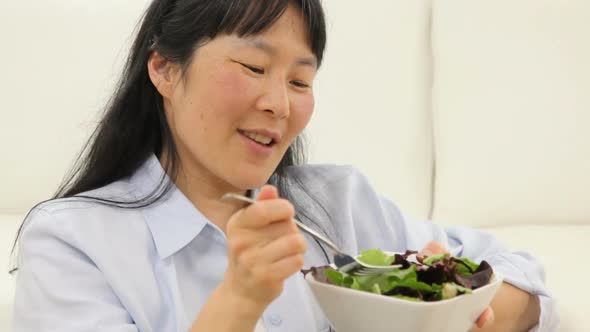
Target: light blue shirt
84, 266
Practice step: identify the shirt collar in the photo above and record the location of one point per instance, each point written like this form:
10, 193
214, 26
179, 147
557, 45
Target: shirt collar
173, 220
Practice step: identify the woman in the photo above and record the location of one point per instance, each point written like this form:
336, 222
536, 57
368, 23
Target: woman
212, 100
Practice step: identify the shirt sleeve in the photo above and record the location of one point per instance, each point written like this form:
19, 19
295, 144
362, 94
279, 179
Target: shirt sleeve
58, 287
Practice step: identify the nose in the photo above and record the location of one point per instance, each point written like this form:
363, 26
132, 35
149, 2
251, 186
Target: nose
275, 99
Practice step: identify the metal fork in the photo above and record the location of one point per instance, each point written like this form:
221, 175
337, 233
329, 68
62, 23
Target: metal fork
344, 262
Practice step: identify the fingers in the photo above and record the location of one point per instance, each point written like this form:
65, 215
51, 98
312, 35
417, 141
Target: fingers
286, 246
486, 318
266, 211
280, 259
264, 247
433, 248
267, 192
284, 234
287, 266
277, 229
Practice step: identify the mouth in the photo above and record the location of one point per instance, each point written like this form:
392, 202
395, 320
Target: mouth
259, 138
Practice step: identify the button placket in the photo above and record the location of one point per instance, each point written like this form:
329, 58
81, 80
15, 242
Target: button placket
275, 319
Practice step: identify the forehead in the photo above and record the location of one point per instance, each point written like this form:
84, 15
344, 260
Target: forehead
290, 27
303, 54
289, 33
286, 38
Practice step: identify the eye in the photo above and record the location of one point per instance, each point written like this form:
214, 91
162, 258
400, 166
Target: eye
253, 69
300, 84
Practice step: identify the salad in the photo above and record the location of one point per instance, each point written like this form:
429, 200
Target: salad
420, 278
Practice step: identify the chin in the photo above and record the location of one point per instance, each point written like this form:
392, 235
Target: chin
251, 180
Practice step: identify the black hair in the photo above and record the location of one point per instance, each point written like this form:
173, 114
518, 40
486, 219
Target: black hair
134, 125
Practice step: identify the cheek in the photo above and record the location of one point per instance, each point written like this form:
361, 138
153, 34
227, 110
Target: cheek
302, 110
230, 89
220, 94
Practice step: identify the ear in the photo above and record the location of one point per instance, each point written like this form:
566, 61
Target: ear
163, 73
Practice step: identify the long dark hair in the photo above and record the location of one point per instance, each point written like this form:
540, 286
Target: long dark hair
134, 125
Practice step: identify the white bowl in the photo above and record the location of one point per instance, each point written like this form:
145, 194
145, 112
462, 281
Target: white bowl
350, 310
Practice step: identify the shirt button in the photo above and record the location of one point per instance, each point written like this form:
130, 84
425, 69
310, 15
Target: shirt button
275, 319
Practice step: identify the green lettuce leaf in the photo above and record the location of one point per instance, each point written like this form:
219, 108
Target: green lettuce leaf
376, 257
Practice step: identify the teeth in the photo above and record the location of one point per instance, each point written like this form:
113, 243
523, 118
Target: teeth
259, 138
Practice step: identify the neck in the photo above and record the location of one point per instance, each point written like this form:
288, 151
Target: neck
205, 193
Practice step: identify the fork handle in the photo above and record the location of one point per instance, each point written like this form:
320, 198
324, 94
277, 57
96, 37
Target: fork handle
317, 236
297, 222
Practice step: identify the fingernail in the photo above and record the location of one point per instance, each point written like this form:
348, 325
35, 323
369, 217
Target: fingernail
489, 318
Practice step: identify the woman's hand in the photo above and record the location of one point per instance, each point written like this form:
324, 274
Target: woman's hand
265, 247
435, 248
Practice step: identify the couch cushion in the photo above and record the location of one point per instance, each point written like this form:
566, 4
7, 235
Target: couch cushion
512, 111
561, 249
66, 58
373, 98
8, 227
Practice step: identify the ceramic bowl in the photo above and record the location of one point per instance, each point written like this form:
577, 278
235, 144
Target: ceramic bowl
350, 310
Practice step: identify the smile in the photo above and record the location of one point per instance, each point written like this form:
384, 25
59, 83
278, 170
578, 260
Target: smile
258, 138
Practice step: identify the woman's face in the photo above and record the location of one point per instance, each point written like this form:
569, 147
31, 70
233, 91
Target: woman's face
241, 103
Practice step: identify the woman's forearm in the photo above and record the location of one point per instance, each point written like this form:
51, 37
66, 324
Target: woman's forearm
514, 310
224, 311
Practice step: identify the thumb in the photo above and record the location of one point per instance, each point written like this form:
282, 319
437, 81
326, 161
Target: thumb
267, 192
486, 318
433, 248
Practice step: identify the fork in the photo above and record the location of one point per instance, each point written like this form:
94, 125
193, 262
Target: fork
344, 262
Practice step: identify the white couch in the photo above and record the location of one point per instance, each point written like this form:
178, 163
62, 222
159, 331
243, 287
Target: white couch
464, 112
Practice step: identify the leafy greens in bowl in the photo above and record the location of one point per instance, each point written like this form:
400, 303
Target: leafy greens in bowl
431, 278
437, 293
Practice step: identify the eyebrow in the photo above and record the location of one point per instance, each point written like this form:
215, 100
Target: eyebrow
271, 50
